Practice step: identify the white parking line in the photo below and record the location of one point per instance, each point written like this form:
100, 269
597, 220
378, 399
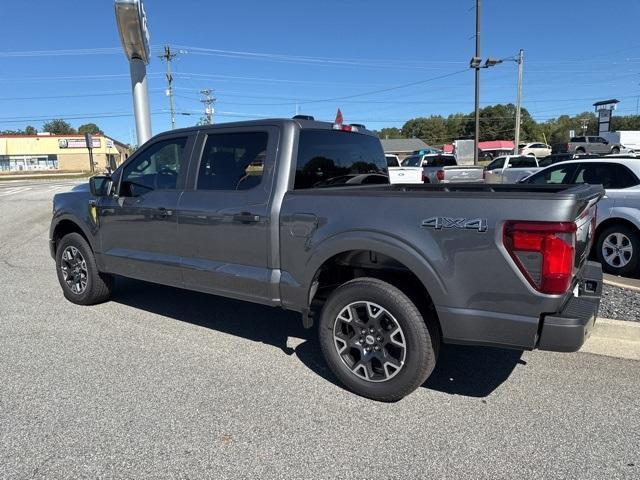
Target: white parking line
12, 191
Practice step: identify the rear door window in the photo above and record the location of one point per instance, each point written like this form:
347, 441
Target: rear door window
330, 158
609, 175
232, 161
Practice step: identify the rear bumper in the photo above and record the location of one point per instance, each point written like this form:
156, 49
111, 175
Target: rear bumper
567, 330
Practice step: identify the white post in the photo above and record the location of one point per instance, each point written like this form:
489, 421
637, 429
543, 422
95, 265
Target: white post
140, 100
519, 102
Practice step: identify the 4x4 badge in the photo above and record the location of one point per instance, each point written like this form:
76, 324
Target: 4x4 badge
479, 224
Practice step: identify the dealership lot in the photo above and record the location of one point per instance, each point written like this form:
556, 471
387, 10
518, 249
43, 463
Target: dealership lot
164, 382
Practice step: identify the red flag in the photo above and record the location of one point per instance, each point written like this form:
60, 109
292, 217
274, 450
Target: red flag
339, 118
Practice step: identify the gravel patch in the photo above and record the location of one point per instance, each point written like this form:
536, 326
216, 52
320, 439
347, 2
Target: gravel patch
620, 304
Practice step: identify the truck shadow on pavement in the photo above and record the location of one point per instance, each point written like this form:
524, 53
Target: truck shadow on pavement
461, 370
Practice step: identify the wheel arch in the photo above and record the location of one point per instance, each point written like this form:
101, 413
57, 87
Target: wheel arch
620, 219
66, 225
379, 256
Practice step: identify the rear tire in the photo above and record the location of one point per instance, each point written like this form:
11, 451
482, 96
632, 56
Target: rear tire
618, 250
580, 151
375, 341
78, 273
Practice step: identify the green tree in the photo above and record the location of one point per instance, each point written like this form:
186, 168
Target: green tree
631, 122
91, 128
433, 129
390, 132
459, 125
30, 130
58, 126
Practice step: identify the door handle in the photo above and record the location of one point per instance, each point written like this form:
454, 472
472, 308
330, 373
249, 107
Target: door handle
246, 217
164, 213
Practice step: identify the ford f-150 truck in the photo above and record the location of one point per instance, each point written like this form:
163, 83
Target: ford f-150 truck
444, 168
261, 211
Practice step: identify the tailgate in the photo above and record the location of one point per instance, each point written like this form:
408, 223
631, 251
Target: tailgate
463, 173
405, 175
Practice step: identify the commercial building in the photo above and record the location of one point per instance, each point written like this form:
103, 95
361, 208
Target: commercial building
58, 152
489, 149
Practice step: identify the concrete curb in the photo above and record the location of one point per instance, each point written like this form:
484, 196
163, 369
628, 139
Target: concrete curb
621, 285
614, 338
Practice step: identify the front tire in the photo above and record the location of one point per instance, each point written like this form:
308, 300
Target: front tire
375, 340
615, 150
78, 273
618, 250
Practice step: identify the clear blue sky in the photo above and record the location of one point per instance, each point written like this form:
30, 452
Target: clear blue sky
576, 53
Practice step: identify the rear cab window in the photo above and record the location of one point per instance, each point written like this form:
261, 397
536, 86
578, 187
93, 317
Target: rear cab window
412, 161
330, 158
523, 162
441, 161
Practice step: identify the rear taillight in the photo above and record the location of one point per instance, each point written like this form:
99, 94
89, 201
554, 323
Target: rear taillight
440, 175
544, 252
424, 177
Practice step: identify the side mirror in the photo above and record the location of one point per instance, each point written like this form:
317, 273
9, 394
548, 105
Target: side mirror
100, 185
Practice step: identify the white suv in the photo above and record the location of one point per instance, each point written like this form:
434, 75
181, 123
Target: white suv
617, 238
538, 150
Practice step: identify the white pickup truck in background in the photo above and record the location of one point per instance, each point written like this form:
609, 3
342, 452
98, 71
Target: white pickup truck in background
443, 168
510, 169
401, 174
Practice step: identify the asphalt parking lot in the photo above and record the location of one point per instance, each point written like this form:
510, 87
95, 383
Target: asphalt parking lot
164, 383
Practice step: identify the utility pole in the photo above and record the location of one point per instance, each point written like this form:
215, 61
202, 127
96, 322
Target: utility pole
519, 102
476, 137
208, 101
167, 56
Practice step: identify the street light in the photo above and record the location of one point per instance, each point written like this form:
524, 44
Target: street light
134, 35
476, 64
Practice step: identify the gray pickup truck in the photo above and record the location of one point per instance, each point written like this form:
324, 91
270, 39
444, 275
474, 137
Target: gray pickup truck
444, 168
299, 214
